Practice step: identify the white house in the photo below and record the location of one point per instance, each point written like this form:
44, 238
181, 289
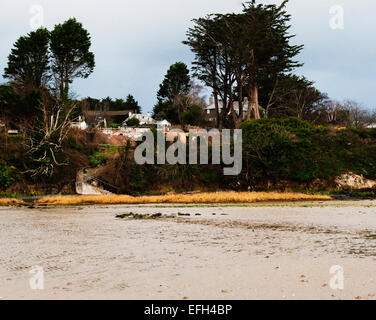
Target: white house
80, 124
144, 119
163, 123
210, 112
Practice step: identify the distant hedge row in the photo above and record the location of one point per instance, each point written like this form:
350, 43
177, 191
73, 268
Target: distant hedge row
292, 149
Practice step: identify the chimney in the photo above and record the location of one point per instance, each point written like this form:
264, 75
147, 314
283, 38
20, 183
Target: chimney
211, 100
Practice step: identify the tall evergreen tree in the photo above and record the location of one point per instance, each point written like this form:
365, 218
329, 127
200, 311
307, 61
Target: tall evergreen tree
71, 55
131, 103
176, 84
28, 64
236, 53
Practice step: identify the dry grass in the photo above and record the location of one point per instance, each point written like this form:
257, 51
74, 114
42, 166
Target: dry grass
199, 198
10, 202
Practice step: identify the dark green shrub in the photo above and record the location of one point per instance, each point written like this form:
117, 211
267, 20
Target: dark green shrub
7, 175
193, 116
97, 159
292, 149
74, 144
133, 122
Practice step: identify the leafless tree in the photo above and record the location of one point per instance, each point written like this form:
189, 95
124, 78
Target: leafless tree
357, 115
44, 141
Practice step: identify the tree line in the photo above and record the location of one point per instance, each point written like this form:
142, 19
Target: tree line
236, 55
250, 55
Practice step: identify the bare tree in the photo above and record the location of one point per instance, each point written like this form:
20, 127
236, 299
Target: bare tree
45, 141
357, 115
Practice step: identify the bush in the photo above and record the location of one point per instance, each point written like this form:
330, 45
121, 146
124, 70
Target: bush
292, 149
133, 122
74, 144
7, 176
97, 159
114, 125
193, 116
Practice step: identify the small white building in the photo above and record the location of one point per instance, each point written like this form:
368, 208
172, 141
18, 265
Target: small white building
80, 124
163, 123
145, 119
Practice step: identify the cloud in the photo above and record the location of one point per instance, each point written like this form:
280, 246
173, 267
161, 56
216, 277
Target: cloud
136, 41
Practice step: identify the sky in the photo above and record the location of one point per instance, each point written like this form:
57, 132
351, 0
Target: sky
135, 41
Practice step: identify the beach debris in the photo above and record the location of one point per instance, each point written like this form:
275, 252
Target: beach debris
139, 216
184, 214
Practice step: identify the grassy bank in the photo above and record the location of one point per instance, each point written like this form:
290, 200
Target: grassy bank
217, 197
11, 202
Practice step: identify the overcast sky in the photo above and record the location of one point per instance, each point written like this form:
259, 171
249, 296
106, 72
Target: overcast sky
135, 41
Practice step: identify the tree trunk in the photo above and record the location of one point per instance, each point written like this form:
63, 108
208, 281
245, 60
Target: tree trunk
218, 120
255, 101
241, 112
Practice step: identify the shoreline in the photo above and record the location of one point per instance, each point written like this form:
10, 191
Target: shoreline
215, 198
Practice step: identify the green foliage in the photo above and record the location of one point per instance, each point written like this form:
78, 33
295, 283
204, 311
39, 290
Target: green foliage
115, 104
74, 144
7, 175
97, 159
114, 125
111, 104
28, 63
176, 82
238, 55
176, 85
132, 104
292, 149
71, 56
194, 115
133, 122
109, 149
19, 107
166, 110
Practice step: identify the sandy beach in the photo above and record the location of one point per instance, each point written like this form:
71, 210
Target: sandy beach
247, 252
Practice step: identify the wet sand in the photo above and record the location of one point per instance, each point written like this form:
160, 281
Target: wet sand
255, 252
